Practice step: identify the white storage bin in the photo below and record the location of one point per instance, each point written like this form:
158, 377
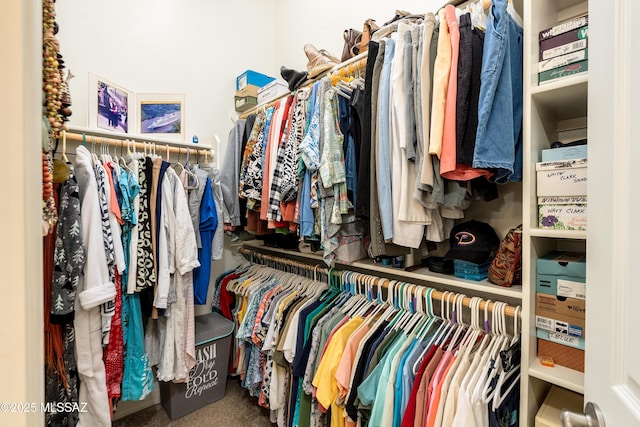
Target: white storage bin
272, 91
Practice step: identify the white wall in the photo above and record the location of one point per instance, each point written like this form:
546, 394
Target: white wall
195, 47
198, 47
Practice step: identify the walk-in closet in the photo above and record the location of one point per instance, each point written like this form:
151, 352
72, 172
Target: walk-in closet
319, 214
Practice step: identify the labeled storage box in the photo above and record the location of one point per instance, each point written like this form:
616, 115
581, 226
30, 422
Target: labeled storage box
566, 316
562, 274
272, 91
251, 77
564, 153
562, 339
562, 355
565, 71
558, 399
244, 103
208, 379
562, 212
562, 178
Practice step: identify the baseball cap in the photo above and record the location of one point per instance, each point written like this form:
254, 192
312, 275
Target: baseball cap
472, 241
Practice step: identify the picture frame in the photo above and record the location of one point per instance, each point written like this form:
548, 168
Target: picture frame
111, 107
161, 114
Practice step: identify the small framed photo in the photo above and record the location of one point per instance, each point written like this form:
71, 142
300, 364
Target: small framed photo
161, 114
110, 105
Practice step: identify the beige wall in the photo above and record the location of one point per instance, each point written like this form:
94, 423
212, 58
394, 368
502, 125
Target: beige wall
21, 336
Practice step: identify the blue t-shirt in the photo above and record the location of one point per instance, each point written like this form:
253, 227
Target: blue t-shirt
208, 225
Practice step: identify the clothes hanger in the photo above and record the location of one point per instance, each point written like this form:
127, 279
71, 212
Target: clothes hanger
456, 320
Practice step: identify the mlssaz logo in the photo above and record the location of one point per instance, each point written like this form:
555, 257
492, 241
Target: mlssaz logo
465, 238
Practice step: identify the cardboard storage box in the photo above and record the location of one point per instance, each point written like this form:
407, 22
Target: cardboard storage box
565, 316
562, 274
208, 379
566, 71
248, 90
561, 354
251, 77
561, 339
562, 212
272, 91
558, 399
562, 178
244, 103
564, 153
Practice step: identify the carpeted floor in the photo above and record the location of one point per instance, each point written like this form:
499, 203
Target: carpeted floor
236, 409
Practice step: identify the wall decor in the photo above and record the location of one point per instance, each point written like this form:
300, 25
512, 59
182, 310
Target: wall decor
161, 114
110, 105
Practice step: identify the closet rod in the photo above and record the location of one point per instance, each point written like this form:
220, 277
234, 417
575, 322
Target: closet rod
357, 63
121, 141
436, 295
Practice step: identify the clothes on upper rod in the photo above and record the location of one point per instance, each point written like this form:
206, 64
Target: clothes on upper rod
126, 271
317, 353
438, 122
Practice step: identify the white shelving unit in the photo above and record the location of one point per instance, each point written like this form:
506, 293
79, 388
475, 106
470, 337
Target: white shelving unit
548, 108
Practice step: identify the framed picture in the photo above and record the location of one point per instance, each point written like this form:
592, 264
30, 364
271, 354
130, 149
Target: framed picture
161, 114
110, 105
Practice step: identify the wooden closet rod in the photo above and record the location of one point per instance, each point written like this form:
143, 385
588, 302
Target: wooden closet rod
118, 141
436, 295
356, 63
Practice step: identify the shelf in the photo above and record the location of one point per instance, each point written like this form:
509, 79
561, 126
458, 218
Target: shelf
558, 375
565, 98
91, 132
422, 274
559, 234
443, 279
258, 245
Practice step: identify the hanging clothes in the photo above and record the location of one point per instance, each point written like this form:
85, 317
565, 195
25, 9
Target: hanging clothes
314, 354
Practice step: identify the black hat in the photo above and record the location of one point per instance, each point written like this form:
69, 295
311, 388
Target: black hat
472, 241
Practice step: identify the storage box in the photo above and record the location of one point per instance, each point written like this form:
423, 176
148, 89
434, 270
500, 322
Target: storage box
565, 317
563, 27
575, 35
561, 339
470, 271
248, 90
563, 49
558, 399
562, 216
562, 178
565, 71
564, 153
244, 103
561, 354
562, 274
208, 379
272, 91
563, 60
251, 77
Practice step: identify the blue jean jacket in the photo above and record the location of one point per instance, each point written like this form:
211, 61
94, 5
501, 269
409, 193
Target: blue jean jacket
499, 135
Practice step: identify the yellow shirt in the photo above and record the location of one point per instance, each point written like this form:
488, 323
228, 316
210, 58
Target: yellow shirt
325, 376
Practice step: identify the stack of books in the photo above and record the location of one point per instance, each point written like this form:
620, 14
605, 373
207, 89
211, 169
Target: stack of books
563, 50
